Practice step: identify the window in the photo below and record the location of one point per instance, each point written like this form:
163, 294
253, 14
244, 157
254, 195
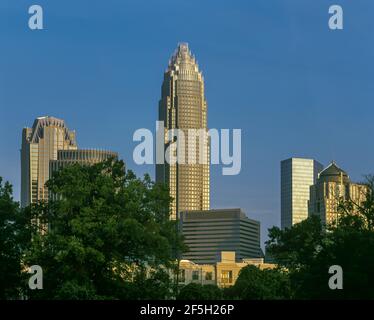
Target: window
195, 275
182, 275
226, 276
209, 276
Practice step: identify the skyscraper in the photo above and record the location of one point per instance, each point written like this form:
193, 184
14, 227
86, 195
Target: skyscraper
332, 186
40, 145
183, 106
297, 175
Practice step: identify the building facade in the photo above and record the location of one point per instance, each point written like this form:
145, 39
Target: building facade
183, 106
297, 175
207, 233
80, 156
333, 185
40, 144
222, 273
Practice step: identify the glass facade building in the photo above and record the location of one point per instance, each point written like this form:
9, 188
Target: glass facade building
297, 175
40, 144
183, 106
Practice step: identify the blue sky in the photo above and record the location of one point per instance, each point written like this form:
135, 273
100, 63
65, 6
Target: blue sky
272, 68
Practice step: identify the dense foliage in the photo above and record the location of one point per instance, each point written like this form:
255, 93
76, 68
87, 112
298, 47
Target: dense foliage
196, 291
308, 249
256, 284
10, 250
106, 234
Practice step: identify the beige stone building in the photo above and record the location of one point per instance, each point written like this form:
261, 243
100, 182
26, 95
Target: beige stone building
183, 106
223, 273
333, 185
40, 144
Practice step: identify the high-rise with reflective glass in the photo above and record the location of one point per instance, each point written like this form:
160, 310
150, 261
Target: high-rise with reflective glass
297, 175
183, 106
40, 144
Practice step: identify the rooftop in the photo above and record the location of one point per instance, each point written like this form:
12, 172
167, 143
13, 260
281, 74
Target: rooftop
333, 173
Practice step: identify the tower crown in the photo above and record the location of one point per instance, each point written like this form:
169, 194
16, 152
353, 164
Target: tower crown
183, 106
183, 58
333, 174
37, 131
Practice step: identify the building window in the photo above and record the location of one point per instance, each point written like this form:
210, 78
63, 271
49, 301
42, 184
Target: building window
226, 276
182, 275
195, 275
209, 276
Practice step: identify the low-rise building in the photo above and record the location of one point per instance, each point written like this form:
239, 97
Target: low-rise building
222, 273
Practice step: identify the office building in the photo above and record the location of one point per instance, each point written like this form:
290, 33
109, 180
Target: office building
207, 233
40, 144
183, 106
80, 156
333, 186
297, 175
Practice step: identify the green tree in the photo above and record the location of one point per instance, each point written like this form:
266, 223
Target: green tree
197, 291
296, 247
256, 284
12, 243
350, 244
308, 251
106, 229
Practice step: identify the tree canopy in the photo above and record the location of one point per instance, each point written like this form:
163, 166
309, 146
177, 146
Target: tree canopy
256, 284
308, 250
10, 245
106, 234
197, 291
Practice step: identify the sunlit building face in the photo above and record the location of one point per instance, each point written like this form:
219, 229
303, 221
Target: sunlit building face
297, 175
183, 106
40, 144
